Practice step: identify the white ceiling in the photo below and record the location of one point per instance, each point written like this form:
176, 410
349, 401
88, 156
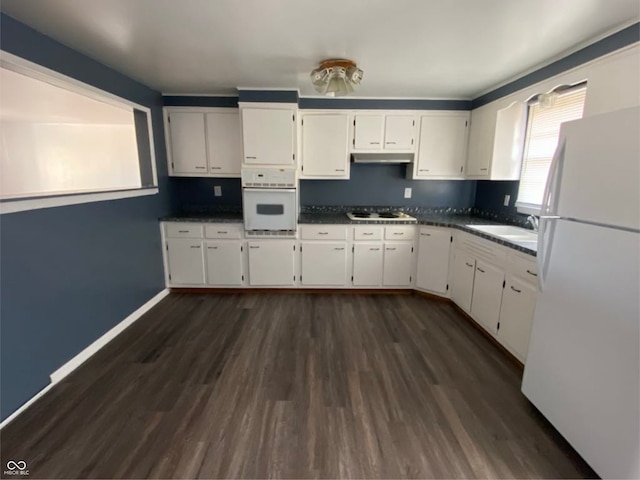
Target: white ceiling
454, 49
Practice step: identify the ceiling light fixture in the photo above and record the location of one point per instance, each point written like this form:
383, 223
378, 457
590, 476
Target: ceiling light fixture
336, 77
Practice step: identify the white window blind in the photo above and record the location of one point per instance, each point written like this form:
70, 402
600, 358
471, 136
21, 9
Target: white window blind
543, 128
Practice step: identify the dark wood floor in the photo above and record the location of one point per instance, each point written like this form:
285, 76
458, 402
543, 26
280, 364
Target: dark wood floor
277, 385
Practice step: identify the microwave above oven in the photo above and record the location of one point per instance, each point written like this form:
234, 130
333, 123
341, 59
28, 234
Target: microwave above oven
269, 177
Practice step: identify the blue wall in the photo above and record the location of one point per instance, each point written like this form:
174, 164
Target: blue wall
490, 195
71, 273
371, 185
192, 194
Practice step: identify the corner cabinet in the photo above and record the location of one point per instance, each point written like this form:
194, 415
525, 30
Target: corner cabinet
268, 135
324, 139
203, 142
442, 146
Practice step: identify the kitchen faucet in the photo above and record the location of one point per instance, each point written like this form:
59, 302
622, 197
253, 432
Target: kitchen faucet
533, 220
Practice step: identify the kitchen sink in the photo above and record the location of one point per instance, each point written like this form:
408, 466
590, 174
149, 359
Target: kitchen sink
507, 232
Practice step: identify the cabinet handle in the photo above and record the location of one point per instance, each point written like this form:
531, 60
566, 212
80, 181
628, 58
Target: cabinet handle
183, 231
251, 158
515, 289
398, 233
339, 248
202, 168
423, 169
468, 264
367, 233
425, 234
391, 248
212, 248
195, 246
374, 249
391, 143
253, 246
323, 233
531, 273
216, 168
339, 170
223, 232
374, 143
480, 270
484, 169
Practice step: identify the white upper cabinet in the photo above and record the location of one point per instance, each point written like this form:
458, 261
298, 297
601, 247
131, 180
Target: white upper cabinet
223, 143
442, 147
368, 132
268, 136
325, 145
203, 142
399, 132
186, 133
392, 132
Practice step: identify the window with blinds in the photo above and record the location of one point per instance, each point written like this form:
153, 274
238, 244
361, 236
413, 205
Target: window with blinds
543, 128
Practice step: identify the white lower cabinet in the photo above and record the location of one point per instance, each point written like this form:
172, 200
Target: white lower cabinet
516, 314
464, 269
398, 264
487, 295
324, 264
271, 262
367, 264
185, 261
434, 245
224, 263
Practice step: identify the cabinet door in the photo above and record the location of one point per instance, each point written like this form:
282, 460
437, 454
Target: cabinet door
369, 131
398, 264
433, 259
324, 264
399, 132
188, 147
487, 296
325, 145
464, 267
186, 266
516, 314
367, 264
508, 142
223, 143
271, 262
224, 263
481, 142
443, 145
268, 136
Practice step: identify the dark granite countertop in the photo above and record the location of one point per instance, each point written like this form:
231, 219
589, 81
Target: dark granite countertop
459, 222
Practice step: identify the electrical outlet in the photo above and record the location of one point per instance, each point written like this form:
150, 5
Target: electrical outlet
407, 192
506, 200
217, 191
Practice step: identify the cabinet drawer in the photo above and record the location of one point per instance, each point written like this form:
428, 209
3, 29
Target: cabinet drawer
367, 233
183, 230
324, 232
399, 233
523, 267
223, 231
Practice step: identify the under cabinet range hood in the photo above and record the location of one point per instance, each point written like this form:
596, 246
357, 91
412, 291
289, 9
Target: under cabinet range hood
382, 157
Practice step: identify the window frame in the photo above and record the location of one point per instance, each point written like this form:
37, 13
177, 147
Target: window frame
528, 208
38, 72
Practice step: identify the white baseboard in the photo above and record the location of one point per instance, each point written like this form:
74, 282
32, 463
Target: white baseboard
85, 354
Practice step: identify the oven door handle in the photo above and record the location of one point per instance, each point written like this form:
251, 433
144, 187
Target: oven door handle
262, 190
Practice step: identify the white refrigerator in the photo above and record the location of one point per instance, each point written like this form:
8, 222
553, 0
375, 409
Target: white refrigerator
583, 366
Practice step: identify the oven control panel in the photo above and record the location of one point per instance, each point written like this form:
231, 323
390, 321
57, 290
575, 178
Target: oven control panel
269, 177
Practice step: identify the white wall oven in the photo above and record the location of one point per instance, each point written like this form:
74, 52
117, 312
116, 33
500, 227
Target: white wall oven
270, 202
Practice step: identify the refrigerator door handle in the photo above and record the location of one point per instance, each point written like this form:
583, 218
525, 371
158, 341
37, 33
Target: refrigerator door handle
548, 212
